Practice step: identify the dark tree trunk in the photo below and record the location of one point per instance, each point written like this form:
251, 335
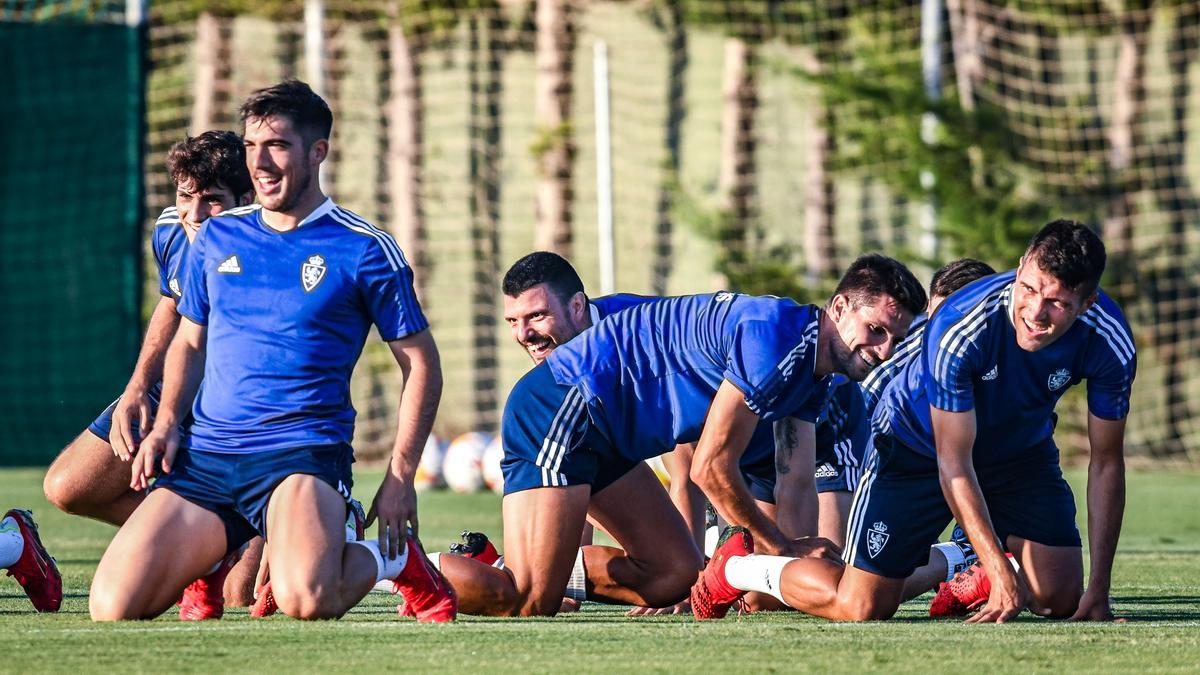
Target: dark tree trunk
485, 50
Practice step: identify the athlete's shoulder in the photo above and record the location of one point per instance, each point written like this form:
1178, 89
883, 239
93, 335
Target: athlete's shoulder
167, 231
168, 217
240, 212
610, 304
1106, 322
773, 308
232, 219
376, 240
971, 310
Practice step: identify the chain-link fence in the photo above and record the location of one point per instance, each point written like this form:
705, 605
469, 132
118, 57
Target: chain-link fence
756, 144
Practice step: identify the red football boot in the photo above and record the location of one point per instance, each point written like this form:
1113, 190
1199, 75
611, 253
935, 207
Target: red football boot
967, 591
427, 594
712, 596
476, 545
264, 605
205, 597
35, 570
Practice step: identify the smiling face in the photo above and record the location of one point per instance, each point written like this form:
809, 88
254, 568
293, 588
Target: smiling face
1043, 309
283, 166
196, 206
540, 321
866, 335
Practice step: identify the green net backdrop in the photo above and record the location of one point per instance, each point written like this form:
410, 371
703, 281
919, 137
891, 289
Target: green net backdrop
70, 227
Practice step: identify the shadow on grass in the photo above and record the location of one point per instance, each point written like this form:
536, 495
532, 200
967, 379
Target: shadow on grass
1158, 607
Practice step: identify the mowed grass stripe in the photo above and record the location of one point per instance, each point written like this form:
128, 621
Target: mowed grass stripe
1156, 588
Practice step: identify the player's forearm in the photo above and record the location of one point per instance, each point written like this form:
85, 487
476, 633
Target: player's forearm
182, 372
965, 498
723, 484
1106, 510
418, 407
149, 368
795, 485
688, 498
796, 506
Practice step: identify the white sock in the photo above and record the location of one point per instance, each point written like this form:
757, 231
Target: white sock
757, 573
11, 542
577, 585
385, 569
953, 555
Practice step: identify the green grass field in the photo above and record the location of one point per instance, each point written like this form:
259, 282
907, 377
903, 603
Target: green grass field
1156, 589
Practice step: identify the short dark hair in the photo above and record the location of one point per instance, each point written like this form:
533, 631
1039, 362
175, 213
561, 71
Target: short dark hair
543, 267
297, 102
212, 159
954, 275
873, 275
1071, 252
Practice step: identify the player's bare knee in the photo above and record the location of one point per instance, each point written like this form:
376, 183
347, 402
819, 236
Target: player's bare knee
1060, 604
532, 602
865, 609
106, 603
65, 492
305, 602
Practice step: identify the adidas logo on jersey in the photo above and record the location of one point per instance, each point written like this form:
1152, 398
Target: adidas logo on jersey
230, 265
174, 286
826, 470
991, 374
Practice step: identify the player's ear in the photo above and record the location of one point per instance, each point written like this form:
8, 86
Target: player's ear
318, 151
838, 306
245, 198
1091, 300
577, 305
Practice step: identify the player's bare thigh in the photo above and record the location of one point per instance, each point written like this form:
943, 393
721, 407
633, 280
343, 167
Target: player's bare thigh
833, 509
1054, 575
313, 575
88, 479
661, 559
541, 541
166, 544
827, 589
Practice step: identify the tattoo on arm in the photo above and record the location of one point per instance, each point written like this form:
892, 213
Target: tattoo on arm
785, 449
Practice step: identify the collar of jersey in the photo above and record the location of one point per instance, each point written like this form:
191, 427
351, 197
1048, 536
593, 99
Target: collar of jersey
319, 212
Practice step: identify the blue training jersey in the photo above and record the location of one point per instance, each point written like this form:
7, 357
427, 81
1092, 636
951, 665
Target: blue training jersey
600, 308
970, 360
910, 348
844, 425
287, 316
169, 243
649, 373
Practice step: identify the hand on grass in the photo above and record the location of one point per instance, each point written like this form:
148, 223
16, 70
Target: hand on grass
1095, 606
683, 607
1008, 598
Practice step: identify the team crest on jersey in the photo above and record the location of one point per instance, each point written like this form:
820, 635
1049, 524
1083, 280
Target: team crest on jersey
1059, 379
877, 538
312, 272
173, 284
